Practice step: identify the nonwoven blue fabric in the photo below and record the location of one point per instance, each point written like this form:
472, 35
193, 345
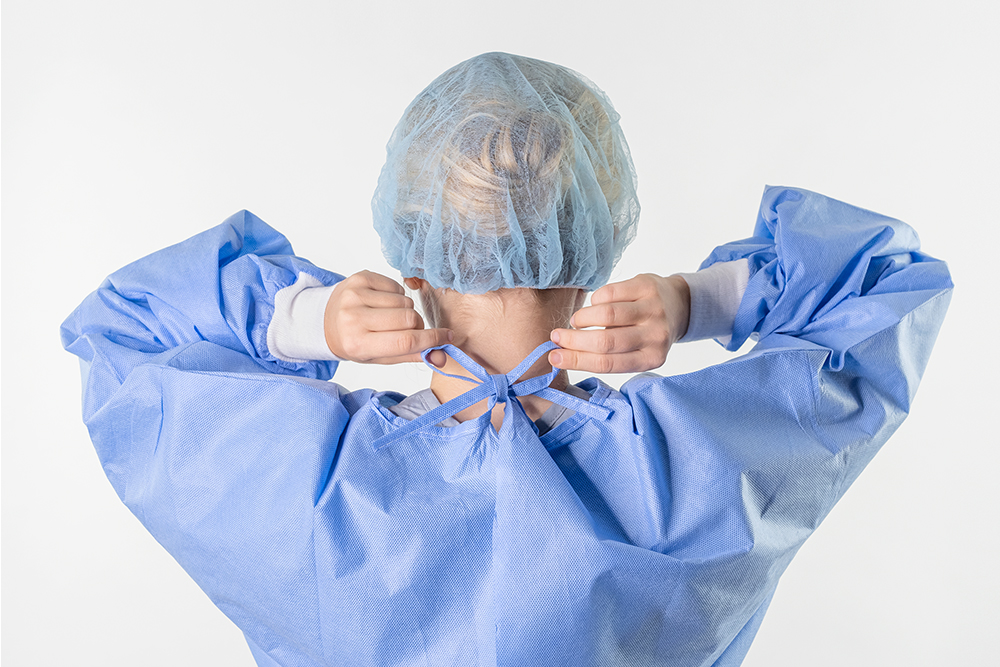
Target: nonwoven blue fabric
651, 532
507, 172
497, 388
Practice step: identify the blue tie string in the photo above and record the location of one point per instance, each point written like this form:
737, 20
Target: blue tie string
497, 388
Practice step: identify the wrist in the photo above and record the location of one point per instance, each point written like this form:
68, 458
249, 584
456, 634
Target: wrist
329, 327
678, 306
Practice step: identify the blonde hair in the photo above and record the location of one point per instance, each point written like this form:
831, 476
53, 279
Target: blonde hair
507, 172
498, 148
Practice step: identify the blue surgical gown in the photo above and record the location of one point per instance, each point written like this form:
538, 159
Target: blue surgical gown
655, 536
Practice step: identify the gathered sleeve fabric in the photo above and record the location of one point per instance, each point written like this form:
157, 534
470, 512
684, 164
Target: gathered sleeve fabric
752, 454
217, 445
217, 287
827, 272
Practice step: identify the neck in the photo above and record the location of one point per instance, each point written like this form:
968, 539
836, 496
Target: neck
498, 331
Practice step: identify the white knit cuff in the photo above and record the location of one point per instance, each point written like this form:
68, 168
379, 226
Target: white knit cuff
296, 332
716, 293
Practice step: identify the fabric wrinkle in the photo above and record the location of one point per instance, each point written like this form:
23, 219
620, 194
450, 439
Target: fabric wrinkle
648, 525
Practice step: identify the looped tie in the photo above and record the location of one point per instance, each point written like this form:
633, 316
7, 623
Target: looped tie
500, 387
496, 388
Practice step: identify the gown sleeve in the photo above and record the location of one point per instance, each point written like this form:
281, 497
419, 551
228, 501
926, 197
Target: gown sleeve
218, 446
749, 456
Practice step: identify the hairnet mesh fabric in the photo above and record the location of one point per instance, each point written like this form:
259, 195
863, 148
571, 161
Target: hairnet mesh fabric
507, 172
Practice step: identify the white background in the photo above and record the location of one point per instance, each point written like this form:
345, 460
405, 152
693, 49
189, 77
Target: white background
128, 126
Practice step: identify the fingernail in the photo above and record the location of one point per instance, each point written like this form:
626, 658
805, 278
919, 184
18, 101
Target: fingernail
572, 317
555, 358
451, 335
555, 336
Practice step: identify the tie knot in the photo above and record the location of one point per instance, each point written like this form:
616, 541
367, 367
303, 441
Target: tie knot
501, 387
488, 386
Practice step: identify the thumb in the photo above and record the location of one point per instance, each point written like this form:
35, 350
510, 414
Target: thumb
438, 358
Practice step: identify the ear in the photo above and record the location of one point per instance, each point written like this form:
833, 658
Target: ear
414, 283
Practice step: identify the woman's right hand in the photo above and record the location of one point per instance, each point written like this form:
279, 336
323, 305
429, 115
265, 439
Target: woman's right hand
638, 319
369, 319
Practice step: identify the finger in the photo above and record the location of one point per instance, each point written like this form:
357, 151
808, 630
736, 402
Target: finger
623, 291
379, 299
628, 362
391, 319
379, 282
389, 344
404, 359
609, 315
632, 289
601, 341
437, 357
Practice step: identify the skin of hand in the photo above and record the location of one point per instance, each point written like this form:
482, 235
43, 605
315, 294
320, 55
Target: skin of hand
369, 319
641, 319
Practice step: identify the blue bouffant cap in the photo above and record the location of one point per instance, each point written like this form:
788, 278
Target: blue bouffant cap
507, 172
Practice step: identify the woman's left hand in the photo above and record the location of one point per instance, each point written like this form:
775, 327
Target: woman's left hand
641, 319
